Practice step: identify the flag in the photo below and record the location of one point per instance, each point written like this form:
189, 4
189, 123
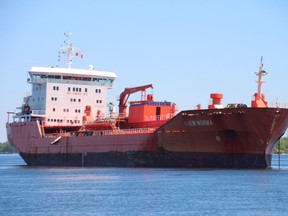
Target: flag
79, 54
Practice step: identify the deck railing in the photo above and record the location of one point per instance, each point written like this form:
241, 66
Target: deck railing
102, 132
278, 104
159, 117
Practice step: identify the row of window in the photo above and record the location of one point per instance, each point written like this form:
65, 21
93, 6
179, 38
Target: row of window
38, 76
76, 89
77, 78
65, 77
71, 99
61, 121
74, 100
67, 110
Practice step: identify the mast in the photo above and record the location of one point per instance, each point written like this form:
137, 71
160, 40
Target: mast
261, 72
68, 49
259, 97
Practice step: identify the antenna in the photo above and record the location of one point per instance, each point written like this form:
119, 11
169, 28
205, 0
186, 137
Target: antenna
68, 49
261, 72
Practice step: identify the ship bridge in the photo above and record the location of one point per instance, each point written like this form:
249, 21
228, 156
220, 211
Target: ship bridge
60, 95
41, 75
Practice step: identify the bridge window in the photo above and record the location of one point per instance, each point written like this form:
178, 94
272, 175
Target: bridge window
36, 76
67, 77
86, 78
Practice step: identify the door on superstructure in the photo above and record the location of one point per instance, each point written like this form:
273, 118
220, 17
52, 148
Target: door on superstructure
158, 113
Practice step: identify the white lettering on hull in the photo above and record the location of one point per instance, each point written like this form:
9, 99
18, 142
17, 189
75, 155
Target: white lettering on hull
192, 123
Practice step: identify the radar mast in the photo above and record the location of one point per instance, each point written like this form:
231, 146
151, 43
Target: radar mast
261, 72
68, 49
259, 97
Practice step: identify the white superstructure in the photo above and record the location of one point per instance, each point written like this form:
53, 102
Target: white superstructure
60, 95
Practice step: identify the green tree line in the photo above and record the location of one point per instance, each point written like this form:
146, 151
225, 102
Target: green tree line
281, 147
7, 148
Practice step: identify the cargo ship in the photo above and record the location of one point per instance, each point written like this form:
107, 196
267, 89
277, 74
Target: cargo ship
67, 121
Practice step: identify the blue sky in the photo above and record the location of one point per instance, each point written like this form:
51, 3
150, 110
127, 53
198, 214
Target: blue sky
186, 48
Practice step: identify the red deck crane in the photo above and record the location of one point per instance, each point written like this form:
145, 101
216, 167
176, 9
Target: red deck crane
125, 95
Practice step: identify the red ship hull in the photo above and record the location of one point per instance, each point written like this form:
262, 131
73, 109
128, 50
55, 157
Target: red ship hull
226, 138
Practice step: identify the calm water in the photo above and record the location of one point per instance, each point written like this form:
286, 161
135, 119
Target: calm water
133, 191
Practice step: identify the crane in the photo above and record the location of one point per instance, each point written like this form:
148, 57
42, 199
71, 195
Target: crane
125, 95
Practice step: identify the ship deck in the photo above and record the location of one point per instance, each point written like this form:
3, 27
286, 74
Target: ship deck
101, 132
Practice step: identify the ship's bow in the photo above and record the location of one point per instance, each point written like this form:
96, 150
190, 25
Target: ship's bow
230, 137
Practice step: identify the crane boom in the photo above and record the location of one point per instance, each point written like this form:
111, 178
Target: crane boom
125, 95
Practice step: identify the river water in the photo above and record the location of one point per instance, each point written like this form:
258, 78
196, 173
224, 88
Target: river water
138, 191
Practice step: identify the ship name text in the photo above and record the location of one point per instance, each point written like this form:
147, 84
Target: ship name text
192, 123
